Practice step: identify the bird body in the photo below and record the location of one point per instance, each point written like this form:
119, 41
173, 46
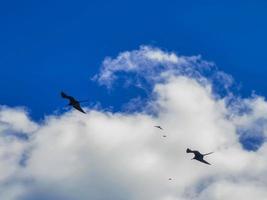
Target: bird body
198, 156
73, 102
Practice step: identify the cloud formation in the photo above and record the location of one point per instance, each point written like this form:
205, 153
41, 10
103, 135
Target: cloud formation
104, 155
150, 65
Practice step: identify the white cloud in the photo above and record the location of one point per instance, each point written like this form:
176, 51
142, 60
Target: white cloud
151, 64
104, 155
16, 120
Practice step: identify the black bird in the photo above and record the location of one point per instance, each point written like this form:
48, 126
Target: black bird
198, 156
164, 136
159, 127
73, 102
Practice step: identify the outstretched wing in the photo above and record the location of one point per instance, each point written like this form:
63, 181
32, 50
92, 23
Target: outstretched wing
204, 161
78, 107
65, 96
207, 153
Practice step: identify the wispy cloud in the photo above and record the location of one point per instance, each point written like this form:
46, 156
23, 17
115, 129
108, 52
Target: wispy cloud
152, 64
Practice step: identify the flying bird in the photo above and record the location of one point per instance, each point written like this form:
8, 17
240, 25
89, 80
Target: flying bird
73, 102
198, 156
159, 127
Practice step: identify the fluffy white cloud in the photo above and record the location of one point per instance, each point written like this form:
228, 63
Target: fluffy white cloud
104, 155
13, 148
16, 119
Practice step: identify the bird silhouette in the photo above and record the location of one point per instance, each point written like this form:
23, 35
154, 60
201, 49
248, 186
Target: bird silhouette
73, 102
159, 127
198, 156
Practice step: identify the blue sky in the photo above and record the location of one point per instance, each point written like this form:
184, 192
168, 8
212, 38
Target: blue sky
51, 46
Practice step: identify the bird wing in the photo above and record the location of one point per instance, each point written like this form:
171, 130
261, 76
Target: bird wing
207, 153
78, 107
204, 161
65, 96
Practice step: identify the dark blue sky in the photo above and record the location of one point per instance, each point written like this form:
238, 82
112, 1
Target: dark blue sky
49, 46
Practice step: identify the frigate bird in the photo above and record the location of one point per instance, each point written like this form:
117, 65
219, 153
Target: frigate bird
159, 127
198, 156
73, 102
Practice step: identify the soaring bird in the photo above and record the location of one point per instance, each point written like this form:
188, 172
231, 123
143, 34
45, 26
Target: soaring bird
198, 156
73, 102
159, 127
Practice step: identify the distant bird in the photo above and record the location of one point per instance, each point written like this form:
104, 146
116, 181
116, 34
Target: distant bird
73, 102
198, 156
159, 127
164, 136
170, 179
